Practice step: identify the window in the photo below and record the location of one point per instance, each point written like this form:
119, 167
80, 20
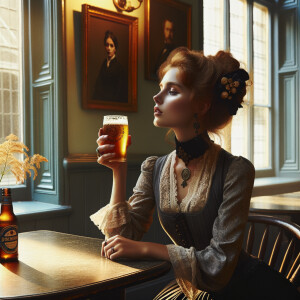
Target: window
244, 29
213, 26
31, 65
11, 102
261, 99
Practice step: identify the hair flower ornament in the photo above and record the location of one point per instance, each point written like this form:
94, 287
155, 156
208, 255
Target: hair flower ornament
229, 86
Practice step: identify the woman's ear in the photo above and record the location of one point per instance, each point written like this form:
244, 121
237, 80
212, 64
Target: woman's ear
201, 109
205, 106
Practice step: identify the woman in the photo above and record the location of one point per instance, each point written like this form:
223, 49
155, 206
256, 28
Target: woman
111, 83
202, 192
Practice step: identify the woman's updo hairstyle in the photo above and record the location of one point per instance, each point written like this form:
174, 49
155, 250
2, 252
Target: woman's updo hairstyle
214, 79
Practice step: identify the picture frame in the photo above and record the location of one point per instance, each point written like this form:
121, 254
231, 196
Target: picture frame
167, 26
109, 59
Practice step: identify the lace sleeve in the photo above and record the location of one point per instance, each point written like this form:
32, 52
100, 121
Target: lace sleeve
131, 218
211, 268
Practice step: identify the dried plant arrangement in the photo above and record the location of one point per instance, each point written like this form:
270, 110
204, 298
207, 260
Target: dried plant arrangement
10, 164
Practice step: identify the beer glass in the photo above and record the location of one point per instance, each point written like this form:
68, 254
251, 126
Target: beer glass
116, 127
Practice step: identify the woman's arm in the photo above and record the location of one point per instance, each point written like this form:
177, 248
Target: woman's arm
118, 193
130, 218
119, 169
121, 247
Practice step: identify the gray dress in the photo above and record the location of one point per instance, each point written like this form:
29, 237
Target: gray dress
211, 232
207, 233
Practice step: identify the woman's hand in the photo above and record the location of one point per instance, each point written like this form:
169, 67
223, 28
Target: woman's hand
107, 152
121, 247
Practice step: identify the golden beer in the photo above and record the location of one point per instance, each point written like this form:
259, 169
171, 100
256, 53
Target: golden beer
116, 127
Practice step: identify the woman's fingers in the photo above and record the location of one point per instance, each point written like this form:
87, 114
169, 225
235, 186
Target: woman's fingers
102, 139
110, 247
121, 247
102, 248
114, 253
105, 152
105, 157
103, 149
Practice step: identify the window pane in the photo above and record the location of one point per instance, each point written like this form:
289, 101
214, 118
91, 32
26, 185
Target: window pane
10, 66
238, 30
260, 54
261, 137
261, 86
213, 26
240, 132
11, 118
238, 47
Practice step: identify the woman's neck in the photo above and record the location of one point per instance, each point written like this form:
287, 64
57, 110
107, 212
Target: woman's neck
184, 135
108, 60
189, 135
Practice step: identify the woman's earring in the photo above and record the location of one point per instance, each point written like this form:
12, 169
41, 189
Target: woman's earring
196, 124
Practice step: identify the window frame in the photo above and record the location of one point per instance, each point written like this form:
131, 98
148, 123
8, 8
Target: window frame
270, 171
54, 74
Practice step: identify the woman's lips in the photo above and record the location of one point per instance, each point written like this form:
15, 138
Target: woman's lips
157, 111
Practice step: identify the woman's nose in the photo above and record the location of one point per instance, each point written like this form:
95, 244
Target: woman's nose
158, 98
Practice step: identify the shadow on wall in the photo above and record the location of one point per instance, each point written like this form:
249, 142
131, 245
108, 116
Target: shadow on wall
78, 51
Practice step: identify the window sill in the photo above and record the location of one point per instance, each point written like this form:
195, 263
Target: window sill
275, 185
28, 210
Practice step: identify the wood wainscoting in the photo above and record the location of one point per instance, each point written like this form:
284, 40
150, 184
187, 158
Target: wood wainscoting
88, 188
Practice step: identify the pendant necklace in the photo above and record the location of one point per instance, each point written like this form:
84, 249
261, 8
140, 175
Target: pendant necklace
185, 175
189, 150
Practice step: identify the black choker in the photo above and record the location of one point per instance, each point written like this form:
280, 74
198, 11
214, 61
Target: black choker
189, 150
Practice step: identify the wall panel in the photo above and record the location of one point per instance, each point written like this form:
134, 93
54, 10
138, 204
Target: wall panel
286, 85
45, 104
288, 49
288, 117
89, 189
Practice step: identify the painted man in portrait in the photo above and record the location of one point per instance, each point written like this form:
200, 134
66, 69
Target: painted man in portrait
168, 33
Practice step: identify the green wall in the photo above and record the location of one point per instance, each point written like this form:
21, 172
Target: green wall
83, 124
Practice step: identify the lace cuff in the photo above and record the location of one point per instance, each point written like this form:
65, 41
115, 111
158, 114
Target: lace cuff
184, 266
111, 216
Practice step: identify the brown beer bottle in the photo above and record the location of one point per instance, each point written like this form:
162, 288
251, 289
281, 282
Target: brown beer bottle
8, 229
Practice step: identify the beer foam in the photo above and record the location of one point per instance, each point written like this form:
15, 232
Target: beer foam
115, 120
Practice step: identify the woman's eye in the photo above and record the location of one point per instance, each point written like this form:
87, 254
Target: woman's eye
173, 92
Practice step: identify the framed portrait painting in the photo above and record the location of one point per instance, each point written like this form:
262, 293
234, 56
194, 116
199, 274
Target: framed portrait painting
167, 26
109, 60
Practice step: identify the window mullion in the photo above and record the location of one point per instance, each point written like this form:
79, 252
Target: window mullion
226, 24
251, 72
271, 102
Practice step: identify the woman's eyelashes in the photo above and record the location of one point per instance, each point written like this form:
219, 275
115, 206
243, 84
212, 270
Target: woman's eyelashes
173, 92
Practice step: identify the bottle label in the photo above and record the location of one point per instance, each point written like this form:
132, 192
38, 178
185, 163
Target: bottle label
6, 200
9, 239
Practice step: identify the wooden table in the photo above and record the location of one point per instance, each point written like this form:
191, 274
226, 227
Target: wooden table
55, 265
281, 204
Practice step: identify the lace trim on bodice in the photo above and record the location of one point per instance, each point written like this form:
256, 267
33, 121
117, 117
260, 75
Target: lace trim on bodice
198, 186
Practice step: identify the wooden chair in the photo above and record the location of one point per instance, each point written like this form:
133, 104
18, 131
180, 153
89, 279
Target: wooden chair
277, 242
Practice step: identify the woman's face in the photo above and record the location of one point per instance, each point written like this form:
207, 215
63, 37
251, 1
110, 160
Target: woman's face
173, 104
110, 48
